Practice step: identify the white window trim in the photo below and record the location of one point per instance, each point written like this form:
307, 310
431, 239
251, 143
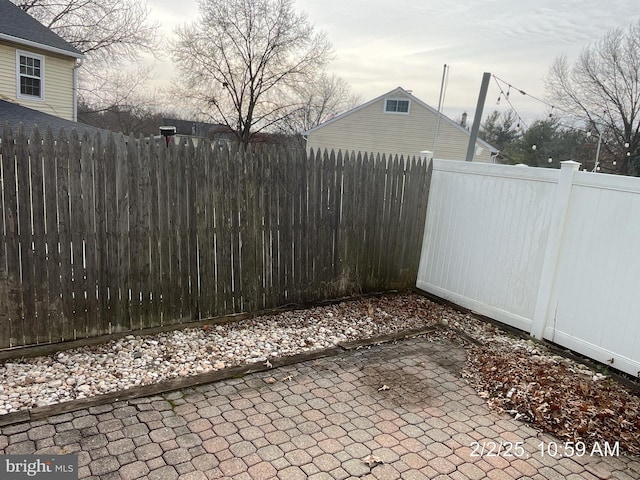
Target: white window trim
397, 99
42, 81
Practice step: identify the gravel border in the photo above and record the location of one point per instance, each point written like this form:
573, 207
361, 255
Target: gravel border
148, 364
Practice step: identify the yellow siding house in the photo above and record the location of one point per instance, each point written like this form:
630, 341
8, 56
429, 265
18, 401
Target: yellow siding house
397, 123
38, 69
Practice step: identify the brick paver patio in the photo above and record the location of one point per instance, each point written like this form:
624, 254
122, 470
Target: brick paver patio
390, 411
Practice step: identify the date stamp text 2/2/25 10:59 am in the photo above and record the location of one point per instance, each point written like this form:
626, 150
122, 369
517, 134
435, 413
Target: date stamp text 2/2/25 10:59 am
544, 449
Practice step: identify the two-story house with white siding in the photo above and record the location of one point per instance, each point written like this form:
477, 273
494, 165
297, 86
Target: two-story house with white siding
38, 72
397, 123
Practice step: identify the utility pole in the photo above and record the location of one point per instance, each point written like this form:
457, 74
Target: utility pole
440, 102
478, 116
595, 168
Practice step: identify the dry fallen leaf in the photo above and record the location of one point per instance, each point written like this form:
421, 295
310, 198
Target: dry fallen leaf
372, 460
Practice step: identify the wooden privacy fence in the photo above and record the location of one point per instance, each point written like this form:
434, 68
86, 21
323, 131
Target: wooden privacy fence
112, 234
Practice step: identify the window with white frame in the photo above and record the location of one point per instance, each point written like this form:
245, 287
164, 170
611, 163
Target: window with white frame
396, 106
30, 75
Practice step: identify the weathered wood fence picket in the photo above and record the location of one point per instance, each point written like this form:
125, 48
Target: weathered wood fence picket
112, 234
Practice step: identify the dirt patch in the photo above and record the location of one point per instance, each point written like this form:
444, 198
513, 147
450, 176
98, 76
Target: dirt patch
411, 385
398, 386
452, 365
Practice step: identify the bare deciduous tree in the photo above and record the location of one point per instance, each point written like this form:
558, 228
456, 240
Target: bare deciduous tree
134, 120
602, 88
243, 59
113, 88
325, 97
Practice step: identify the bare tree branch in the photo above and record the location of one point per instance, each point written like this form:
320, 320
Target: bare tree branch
317, 101
105, 29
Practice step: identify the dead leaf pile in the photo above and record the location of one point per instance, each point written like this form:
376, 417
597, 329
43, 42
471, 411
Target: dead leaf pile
555, 394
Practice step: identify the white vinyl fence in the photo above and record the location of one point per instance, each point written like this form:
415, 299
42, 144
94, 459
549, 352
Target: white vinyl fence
553, 252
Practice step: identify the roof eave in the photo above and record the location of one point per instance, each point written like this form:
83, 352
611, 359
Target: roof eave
352, 110
41, 46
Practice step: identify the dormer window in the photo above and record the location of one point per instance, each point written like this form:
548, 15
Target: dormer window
30, 75
396, 106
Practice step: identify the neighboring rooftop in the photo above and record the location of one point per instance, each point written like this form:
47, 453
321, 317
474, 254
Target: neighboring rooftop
16, 114
195, 128
18, 26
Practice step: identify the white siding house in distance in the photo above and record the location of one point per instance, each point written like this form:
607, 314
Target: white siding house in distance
397, 123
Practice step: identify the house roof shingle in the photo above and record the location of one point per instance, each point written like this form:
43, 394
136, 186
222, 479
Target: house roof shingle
18, 26
16, 114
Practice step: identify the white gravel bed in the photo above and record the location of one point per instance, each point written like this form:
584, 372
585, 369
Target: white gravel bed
142, 360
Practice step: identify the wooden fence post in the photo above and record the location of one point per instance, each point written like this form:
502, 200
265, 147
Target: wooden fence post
552, 249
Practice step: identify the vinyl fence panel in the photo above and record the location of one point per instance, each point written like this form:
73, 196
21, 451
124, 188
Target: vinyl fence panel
485, 237
595, 306
550, 252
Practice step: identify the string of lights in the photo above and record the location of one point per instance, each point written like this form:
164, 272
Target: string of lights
510, 86
504, 85
588, 133
591, 134
552, 107
521, 123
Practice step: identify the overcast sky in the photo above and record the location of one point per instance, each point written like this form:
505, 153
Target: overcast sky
381, 45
